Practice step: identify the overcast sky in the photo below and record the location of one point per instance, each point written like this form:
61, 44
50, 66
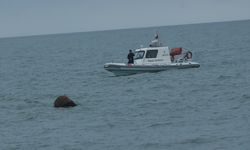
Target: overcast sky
32, 17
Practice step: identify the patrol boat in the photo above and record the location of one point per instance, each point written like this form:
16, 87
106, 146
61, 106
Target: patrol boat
154, 58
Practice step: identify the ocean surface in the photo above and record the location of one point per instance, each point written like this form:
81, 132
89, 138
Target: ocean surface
206, 108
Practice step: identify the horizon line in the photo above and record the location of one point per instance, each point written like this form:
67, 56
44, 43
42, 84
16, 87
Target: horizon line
129, 28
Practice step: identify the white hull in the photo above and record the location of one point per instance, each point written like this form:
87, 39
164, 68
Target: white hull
120, 69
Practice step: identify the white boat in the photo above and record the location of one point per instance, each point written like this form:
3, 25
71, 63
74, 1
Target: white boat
154, 58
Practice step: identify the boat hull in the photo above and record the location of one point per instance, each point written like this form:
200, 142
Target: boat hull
120, 69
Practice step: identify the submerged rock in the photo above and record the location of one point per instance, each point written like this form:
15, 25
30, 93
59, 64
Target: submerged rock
64, 101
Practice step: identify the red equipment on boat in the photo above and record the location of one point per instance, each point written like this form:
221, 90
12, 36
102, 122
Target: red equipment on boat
176, 51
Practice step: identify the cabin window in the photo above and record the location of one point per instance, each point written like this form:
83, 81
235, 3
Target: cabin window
151, 53
139, 54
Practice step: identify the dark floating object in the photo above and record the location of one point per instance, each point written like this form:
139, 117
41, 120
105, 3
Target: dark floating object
64, 101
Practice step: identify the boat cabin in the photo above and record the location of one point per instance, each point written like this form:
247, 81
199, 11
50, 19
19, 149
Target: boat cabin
152, 56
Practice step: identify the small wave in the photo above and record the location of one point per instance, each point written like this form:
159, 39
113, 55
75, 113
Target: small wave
223, 77
245, 96
155, 125
215, 85
129, 90
244, 99
198, 140
155, 146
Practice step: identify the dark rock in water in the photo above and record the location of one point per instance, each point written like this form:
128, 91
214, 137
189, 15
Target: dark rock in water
64, 101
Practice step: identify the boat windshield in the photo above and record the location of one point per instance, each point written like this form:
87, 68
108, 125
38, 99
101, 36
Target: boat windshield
139, 54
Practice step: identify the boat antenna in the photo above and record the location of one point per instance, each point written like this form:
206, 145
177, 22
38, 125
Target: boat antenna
155, 42
156, 35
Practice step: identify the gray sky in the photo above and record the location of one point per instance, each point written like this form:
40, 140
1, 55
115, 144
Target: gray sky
31, 17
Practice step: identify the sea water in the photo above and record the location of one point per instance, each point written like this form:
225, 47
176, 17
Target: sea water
200, 108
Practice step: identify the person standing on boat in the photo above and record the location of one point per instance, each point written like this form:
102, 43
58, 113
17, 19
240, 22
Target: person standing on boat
130, 57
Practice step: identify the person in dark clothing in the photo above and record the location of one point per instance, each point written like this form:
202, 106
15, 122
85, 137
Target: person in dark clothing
130, 57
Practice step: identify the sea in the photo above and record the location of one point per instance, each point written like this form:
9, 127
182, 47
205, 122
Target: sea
206, 108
